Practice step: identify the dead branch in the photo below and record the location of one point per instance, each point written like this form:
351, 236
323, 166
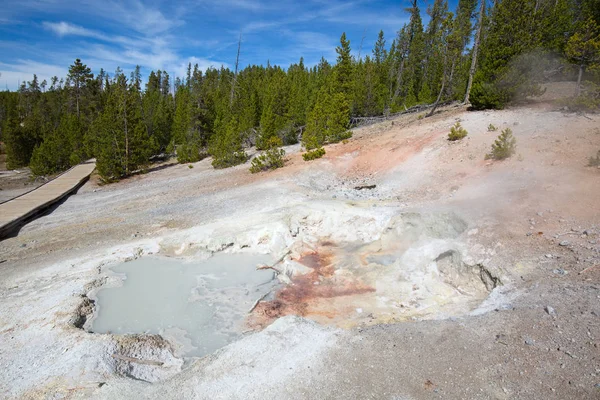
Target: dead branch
369, 187
261, 267
279, 261
261, 298
363, 121
588, 269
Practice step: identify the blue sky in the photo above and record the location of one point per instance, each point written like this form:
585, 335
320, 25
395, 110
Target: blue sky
45, 36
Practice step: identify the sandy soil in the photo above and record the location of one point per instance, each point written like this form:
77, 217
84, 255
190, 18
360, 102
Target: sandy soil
455, 277
14, 183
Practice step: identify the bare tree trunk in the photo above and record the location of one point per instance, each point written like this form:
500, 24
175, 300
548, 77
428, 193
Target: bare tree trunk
452, 69
475, 51
579, 80
398, 82
437, 101
237, 61
126, 138
361, 43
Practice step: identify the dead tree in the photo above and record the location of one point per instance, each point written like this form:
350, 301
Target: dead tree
237, 61
475, 51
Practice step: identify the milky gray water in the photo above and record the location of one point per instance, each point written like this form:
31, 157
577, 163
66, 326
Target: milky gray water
198, 306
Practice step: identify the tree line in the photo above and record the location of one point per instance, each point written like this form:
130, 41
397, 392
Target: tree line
485, 53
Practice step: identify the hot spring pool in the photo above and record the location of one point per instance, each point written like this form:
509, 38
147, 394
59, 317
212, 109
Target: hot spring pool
199, 306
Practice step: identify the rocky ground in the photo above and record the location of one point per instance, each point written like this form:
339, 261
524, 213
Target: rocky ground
454, 277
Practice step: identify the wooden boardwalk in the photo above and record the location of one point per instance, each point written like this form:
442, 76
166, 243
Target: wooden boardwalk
19, 210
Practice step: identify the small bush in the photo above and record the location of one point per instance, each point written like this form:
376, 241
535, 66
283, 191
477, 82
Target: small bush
314, 154
457, 132
492, 128
504, 146
226, 160
595, 161
583, 103
345, 135
190, 166
272, 158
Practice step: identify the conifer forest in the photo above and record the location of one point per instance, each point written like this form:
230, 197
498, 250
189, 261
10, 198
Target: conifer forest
486, 53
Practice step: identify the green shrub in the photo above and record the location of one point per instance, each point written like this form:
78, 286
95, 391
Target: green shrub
492, 128
521, 78
226, 160
488, 96
587, 102
314, 154
504, 146
270, 159
457, 132
188, 153
595, 161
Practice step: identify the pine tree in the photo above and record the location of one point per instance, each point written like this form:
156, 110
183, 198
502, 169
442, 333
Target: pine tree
344, 68
54, 153
185, 139
226, 145
329, 119
410, 53
158, 112
298, 78
79, 76
27, 124
475, 51
381, 74
447, 50
273, 118
119, 138
583, 48
435, 49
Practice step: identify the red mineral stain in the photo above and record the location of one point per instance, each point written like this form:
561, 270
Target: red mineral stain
307, 290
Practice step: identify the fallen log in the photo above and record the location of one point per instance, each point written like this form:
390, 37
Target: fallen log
368, 187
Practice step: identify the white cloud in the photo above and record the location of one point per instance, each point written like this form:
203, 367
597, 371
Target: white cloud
314, 42
152, 34
180, 69
134, 15
23, 70
64, 29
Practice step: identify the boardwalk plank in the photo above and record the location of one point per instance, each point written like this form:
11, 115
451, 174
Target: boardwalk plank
14, 212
